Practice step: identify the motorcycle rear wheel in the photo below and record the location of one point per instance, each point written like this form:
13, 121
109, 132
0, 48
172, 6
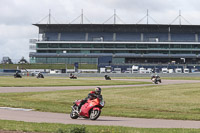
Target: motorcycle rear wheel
94, 114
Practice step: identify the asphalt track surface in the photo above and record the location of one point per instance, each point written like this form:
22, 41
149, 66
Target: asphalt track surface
47, 117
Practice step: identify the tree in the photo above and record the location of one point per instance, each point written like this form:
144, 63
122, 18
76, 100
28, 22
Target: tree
6, 60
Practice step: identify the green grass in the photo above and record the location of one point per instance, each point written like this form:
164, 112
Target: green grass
167, 78
6, 125
65, 81
179, 101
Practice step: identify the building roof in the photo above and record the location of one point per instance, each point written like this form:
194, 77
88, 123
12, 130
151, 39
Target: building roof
118, 28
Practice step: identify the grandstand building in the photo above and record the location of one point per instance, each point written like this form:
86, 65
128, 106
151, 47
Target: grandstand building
117, 44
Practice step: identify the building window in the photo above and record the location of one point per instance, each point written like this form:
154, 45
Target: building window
64, 45
131, 45
85, 51
97, 45
75, 45
42, 51
120, 45
97, 39
154, 46
95, 51
73, 51
121, 51
109, 45
52, 51
155, 39
53, 45
42, 45
108, 51
142, 46
175, 46
195, 46
86, 46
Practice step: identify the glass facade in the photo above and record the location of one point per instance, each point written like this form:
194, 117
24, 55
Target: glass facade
65, 60
113, 48
119, 48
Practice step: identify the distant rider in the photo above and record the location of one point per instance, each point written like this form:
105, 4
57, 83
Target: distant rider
92, 95
71, 75
17, 73
155, 76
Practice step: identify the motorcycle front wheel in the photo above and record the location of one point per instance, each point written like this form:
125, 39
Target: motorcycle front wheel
73, 114
94, 114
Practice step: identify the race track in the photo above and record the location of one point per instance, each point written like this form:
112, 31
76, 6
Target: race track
47, 117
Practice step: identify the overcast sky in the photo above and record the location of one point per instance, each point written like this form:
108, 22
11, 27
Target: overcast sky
17, 17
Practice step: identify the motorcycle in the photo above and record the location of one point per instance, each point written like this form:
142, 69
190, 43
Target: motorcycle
73, 77
155, 80
40, 75
17, 75
107, 77
91, 109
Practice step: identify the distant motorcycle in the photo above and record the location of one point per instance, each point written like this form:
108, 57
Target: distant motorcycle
40, 75
156, 79
107, 77
91, 109
17, 75
73, 77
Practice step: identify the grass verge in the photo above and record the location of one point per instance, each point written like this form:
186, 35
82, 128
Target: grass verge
180, 101
6, 125
65, 81
167, 78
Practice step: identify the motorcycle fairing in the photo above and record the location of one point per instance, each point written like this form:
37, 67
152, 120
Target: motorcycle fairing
77, 102
88, 106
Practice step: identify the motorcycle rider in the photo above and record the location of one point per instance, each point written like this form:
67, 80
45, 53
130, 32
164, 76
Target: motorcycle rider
40, 75
92, 95
155, 79
71, 75
155, 76
17, 75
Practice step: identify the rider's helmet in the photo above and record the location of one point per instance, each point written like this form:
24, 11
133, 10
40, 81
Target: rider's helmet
98, 90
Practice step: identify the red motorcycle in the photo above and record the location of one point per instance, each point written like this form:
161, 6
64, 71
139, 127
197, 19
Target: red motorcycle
91, 109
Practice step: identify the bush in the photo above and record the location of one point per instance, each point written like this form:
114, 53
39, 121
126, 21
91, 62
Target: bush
80, 129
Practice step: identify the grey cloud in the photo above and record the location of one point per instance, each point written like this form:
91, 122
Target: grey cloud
17, 16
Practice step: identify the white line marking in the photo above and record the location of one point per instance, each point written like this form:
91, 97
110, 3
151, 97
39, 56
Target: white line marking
20, 109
